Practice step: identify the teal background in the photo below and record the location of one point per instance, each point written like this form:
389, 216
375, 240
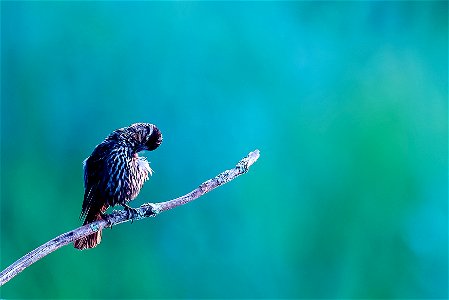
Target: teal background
347, 102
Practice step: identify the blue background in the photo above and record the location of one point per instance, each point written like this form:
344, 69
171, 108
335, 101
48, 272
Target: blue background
347, 102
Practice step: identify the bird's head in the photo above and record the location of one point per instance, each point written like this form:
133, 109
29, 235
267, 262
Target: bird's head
144, 136
154, 139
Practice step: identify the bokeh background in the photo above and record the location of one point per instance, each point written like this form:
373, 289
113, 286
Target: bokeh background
347, 102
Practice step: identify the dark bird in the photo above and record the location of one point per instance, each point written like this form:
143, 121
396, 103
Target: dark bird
114, 174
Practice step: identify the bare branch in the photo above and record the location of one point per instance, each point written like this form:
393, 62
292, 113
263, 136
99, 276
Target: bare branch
121, 216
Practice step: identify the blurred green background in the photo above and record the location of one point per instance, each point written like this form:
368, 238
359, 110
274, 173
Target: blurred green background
347, 102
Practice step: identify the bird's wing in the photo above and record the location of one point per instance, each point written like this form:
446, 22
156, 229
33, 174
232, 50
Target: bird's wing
93, 184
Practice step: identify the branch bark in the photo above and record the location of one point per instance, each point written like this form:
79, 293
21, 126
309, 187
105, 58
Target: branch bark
117, 217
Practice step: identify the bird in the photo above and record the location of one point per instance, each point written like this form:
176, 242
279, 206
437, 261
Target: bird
114, 174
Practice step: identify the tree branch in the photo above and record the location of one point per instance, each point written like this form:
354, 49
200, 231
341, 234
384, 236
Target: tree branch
121, 216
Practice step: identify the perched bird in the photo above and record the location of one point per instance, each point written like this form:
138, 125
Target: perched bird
114, 174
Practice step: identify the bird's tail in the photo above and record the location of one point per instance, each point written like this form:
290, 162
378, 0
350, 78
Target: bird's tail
92, 240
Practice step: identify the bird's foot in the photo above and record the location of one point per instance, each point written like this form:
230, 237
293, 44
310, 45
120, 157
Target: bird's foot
106, 218
132, 212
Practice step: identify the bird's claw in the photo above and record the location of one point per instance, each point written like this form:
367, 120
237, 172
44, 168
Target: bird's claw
106, 218
132, 212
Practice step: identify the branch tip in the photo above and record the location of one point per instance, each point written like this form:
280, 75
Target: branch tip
247, 162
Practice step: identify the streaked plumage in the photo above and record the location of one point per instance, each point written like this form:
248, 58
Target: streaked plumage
114, 173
